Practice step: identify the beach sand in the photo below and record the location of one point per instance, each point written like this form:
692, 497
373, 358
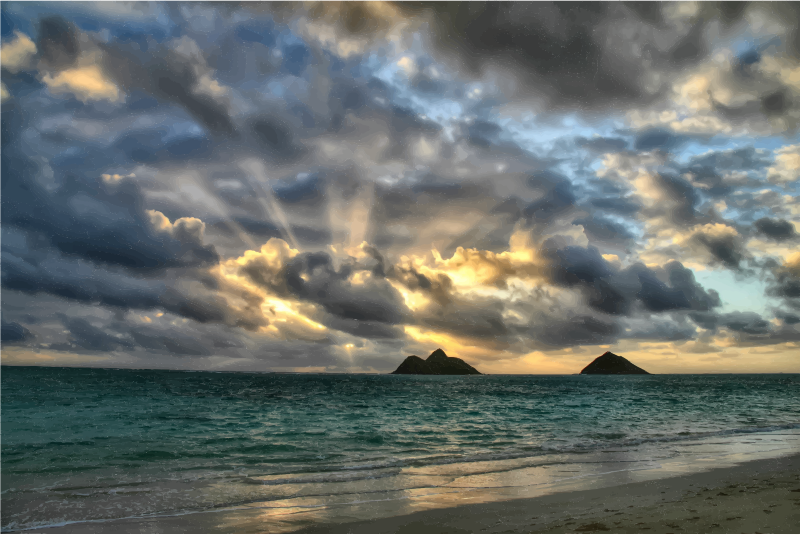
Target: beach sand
761, 496
756, 497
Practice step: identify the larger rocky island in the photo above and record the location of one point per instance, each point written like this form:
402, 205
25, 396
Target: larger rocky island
437, 363
610, 364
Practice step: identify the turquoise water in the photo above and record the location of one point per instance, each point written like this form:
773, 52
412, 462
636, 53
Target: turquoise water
95, 444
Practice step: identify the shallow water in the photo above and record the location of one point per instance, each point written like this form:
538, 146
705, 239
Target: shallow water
91, 444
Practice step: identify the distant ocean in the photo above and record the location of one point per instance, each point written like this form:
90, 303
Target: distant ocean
101, 444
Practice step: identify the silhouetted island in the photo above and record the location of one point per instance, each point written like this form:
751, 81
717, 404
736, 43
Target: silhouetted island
610, 364
438, 363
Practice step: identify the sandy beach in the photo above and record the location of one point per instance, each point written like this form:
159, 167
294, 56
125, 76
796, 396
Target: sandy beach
761, 496
756, 497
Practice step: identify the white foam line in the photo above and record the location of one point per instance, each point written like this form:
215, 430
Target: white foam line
134, 517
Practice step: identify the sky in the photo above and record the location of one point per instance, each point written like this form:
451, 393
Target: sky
330, 187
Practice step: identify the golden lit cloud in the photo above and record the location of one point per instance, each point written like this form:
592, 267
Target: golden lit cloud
787, 165
16, 55
87, 82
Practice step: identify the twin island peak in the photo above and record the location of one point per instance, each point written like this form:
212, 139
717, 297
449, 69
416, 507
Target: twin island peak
438, 363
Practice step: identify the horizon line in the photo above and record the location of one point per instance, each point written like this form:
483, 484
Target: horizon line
376, 373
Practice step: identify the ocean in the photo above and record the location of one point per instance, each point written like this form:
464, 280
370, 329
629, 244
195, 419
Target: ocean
101, 445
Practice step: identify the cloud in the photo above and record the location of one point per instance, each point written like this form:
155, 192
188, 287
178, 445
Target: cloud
785, 281
658, 138
277, 139
566, 51
616, 205
58, 42
87, 82
615, 291
599, 228
723, 243
787, 165
776, 229
88, 337
170, 341
176, 71
93, 219
602, 144
344, 298
14, 333
17, 55
576, 330
43, 272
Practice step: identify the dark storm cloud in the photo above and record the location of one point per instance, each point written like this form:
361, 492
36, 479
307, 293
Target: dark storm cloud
87, 337
784, 283
102, 223
169, 341
746, 322
719, 173
658, 139
550, 43
616, 205
727, 250
576, 330
788, 317
776, 229
88, 218
558, 199
468, 319
14, 333
589, 55
743, 159
667, 328
613, 291
602, 144
84, 336
750, 328
167, 75
31, 266
602, 229
58, 42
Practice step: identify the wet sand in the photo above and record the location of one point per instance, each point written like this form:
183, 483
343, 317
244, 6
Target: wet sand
756, 497
761, 496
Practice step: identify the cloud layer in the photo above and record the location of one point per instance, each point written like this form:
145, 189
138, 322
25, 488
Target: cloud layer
333, 186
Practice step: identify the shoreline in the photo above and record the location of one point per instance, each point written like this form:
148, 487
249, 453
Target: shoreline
761, 495
751, 496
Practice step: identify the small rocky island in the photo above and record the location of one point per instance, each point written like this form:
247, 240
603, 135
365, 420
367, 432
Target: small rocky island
610, 364
438, 363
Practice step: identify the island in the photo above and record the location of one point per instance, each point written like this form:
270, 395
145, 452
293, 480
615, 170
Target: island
610, 364
438, 363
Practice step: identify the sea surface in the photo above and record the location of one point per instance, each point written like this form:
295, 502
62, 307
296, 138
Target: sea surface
101, 444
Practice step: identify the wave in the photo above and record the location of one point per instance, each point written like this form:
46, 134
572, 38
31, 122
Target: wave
393, 466
635, 441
